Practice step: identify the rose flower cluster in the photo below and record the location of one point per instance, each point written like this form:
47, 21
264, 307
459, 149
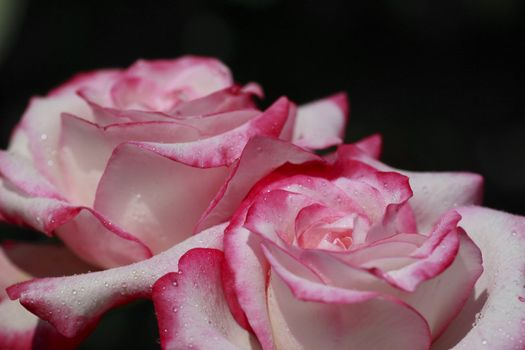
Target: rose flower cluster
166, 181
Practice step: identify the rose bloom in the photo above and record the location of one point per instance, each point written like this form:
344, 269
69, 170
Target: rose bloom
341, 252
347, 253
120, 165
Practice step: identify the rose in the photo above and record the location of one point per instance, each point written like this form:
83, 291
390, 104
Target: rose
206, 288
120, 164
193, 305
328, 255
68, 166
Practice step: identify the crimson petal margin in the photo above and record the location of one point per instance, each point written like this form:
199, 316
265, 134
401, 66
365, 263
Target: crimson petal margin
192, 309
74, 304
434, 192
225, 148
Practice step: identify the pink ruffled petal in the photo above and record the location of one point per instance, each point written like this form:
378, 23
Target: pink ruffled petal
321, 124
42, 214
85, 231
192, 309
74, 304
494, 315
162, 201
195, 76
225, 148
327, 317
434, 192
260, 157
227, 100
435, 255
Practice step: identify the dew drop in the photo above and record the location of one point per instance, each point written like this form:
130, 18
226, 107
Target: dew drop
174, 283
43, 137
74, 292
484, 342
513, 233
174, 309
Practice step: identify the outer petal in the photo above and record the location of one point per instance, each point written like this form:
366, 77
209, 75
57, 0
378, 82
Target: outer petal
321, 124
86, 147
41, 120
325, 319
192, 309
74, 304
20, 172
494, 316
162, 201
91, 235
249, 270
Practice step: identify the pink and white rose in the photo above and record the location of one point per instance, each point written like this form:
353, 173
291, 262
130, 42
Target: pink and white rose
120, 164
168, 178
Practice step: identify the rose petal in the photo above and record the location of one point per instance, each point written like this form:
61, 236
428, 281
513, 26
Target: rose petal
371, 145
21, 173
433, 257
321, 124
260, 157
87, 147
224, 149
249, 271
434, 192
162, 201
196, 76
77, 302
494, 316
323, 318
192, 309
85, 231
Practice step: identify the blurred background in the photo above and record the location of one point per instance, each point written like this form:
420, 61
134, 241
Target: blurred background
439, 80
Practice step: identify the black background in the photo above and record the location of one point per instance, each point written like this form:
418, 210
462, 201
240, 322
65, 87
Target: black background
439, 80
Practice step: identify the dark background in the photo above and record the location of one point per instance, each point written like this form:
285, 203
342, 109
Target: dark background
439, 80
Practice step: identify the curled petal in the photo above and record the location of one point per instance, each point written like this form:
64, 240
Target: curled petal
225, 148
21, 173
74, 304
321, 124
434, 193
192, 309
